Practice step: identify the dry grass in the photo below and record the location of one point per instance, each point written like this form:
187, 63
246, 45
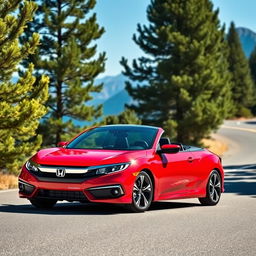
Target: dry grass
217, 146
8, 181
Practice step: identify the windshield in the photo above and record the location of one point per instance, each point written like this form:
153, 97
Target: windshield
116, 138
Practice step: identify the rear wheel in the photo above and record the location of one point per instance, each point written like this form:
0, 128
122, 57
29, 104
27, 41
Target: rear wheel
43, 203
142, 194
213, 190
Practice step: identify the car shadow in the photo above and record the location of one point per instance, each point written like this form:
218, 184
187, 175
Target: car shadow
88, 209
241, 180
250, 122
164, 205
240, 167
64, 209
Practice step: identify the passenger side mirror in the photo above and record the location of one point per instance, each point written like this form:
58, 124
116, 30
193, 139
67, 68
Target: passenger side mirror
170, 149
61, 144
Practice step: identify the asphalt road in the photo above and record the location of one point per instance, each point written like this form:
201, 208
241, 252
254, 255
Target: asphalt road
168, 228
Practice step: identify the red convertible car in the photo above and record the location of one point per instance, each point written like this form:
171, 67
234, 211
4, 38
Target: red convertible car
132, 165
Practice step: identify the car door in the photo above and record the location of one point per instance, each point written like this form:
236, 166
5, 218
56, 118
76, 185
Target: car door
175, 174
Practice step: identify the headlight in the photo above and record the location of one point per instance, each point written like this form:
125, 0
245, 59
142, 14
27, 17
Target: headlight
32, 166
106, 169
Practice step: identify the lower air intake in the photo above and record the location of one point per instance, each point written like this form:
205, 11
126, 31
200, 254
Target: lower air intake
62, 195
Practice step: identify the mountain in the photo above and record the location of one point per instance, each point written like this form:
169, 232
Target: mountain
111, 86
248, 39
113, 95
116, 104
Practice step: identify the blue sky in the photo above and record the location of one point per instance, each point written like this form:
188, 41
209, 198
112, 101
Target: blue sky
120, 19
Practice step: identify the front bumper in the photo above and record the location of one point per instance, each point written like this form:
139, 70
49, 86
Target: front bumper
110, 188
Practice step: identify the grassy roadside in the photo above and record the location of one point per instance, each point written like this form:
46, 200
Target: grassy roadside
215, 145
8, 181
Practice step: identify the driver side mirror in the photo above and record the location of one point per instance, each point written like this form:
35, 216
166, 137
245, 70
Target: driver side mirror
61, 144
169, 149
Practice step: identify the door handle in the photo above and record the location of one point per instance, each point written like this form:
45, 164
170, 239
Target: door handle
190, 159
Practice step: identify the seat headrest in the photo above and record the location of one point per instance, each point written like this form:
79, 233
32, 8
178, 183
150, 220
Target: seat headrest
164, 141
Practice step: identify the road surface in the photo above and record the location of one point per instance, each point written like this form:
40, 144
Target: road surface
168, 228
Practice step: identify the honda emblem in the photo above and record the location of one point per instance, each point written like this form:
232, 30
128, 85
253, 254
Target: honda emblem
60, 173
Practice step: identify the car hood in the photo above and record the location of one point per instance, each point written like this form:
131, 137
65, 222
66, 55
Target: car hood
82, 157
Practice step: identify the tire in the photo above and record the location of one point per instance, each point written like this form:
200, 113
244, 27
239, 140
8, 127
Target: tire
142, 195
213, 190
43, 203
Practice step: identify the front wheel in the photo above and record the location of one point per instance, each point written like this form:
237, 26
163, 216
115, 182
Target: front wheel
213, 190
43, 203
142, 194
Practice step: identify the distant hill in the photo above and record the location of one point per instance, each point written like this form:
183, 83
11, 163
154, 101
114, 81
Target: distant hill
248, 39
113, 95
116, 104
111, 86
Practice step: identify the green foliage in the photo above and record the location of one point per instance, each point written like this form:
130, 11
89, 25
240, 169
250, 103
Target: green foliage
243, 112
21, 102
170, 127
252, 64
183, 81
242, 84
126, 117
67, 54
48, 129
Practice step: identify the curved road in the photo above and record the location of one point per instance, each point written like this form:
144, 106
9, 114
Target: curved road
241, 139
169, 228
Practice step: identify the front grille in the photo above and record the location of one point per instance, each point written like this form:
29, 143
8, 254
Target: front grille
69, 177
62, 195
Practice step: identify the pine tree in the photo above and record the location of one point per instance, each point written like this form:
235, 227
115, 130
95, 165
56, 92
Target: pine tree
183, 79
126, 117
21, 102
67, 55
242, 84
252, 65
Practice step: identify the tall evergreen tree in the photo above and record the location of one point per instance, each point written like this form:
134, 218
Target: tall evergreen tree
21, 102
242, 84
68, 56
252, 64
128, 116
183, 81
